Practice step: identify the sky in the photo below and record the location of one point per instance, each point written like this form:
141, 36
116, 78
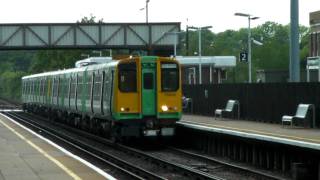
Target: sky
216, 13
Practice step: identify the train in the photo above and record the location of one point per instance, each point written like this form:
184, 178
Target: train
130, 97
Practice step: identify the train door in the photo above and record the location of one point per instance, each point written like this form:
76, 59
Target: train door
108, 76
148, 89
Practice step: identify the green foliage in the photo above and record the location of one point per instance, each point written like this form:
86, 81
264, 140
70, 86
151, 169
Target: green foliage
50, 60
91, 19
272, 55
11, 84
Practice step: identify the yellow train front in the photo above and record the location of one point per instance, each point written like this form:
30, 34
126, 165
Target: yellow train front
147, 97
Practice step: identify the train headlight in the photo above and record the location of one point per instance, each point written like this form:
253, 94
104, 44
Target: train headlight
164, 108
122, 109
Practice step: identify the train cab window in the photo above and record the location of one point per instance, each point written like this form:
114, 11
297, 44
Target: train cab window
127, 77
169, 77
148, 80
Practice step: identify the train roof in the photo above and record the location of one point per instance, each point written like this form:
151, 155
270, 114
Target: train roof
72, 70
111, 63
93, 61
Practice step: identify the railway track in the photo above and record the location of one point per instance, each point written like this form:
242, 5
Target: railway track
135, 164
163, 163
7, 105
126, 169
211, 165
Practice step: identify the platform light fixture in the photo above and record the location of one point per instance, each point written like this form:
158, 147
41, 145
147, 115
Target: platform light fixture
250, 17
199, 48
146, 8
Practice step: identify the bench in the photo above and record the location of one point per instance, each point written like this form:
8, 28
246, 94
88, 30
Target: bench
187, 105
301, 116
232, 110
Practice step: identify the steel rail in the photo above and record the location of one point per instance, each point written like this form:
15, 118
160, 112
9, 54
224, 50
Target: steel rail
134, 171
187, 171
213, 160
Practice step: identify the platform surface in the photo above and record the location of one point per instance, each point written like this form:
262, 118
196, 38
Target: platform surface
25, 156
304, 137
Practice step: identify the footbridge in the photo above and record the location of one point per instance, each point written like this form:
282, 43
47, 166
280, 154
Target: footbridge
142, 36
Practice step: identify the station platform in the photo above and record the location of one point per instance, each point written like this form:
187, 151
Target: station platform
296, 136
25, 155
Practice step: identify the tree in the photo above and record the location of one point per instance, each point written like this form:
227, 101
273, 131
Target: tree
91, 19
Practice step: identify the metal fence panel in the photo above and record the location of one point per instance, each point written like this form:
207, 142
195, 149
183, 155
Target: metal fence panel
258, 102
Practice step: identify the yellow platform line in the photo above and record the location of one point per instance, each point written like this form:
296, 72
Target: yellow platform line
256, 132
44, 153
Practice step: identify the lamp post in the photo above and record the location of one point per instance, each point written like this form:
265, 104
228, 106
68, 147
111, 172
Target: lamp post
175, 34
294, 42
146, 8
199, 49
250, 17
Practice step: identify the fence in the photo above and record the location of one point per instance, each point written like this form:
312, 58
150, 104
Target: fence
258, 101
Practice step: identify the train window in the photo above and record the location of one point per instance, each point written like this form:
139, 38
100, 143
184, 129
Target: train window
32, 87
37, 87
89, 85
63, 87
97, 87
41, 87
45, 87
73, 88
169, 77
127, 77
55, 87
58, 84
148, 80
27, 88
24, 88
79, 86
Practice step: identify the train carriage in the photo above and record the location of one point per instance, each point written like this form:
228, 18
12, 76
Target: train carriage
138, 96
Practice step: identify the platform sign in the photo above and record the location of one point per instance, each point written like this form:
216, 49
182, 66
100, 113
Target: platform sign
243, 57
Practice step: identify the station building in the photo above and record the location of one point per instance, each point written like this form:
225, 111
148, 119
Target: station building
213, 68
314, 34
